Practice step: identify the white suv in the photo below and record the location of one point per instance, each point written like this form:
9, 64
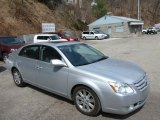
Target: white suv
47, 38
93, 35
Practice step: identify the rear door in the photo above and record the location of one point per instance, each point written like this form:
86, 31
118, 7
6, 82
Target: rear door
109, 30
27, 62
86, 35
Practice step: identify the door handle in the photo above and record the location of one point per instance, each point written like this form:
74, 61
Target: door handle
38, 67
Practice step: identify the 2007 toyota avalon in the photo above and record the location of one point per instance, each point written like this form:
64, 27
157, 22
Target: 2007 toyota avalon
83, 74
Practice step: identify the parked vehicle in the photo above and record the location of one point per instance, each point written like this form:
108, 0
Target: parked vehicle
67, 36
9, 44
101, 32
151, 31
47, 38
83, 74
144, 31
93, 35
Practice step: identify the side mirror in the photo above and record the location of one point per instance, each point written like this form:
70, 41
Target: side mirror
57, 62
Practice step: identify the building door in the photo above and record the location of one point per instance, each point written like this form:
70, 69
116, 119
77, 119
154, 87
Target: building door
109, 30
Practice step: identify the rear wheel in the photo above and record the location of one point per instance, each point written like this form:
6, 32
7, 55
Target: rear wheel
84, 38
86, 101
18, 78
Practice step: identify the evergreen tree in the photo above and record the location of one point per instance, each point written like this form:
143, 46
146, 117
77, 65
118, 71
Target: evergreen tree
100, 9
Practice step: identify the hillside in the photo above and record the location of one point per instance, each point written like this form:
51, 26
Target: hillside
19, 17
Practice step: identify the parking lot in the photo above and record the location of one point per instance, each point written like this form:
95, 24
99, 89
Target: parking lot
31, 103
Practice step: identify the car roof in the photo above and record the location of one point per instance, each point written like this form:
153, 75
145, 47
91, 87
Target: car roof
58, 43
45, 34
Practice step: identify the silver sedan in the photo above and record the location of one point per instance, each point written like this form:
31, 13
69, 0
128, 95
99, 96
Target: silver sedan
83, 74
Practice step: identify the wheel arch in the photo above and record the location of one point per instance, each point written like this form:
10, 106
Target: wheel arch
75, 86
91, 86
13, 69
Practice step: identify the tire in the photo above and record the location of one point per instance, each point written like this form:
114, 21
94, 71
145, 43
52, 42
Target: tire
4, 55
18, 78
81, 96
96, 38
84, 38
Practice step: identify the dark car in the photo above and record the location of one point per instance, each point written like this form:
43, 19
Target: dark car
67, 36
9, 44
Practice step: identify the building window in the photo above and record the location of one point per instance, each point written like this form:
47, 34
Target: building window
119, 28
96, 28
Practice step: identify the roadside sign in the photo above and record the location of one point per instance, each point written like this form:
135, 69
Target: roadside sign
48, 27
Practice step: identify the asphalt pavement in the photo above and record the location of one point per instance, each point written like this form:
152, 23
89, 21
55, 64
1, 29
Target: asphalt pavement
31, 103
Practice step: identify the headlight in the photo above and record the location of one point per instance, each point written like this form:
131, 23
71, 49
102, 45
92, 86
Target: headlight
121, 88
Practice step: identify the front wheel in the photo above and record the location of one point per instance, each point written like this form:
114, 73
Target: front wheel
96, 38
18, 78
86, 101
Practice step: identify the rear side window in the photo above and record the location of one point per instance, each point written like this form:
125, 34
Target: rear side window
85, 32
46, 37
40, 37
30, 52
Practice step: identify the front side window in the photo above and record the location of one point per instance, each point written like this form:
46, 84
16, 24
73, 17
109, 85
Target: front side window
85, 32
81, 54
49, 53
92, 33
30, 52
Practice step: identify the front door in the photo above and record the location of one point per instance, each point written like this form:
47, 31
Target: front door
109, 30
52, 78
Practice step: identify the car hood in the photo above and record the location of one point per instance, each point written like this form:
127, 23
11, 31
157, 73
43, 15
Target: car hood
113, 69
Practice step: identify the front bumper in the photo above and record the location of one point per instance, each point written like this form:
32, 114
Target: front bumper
121, 104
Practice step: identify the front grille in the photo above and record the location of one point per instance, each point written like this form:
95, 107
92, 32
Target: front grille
141, 84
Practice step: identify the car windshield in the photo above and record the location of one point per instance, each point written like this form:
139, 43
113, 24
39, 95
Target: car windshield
81, 54
54, 37
67, 35
11, 40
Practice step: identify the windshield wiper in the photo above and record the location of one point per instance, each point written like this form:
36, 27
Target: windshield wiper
103, 58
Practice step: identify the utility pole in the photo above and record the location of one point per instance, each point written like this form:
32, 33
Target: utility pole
138, 10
